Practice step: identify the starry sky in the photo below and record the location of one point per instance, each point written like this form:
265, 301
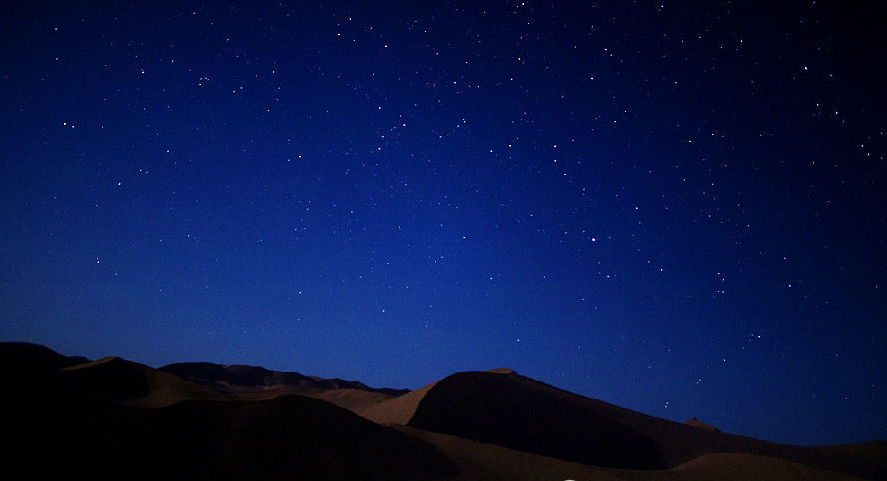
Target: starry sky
675, 207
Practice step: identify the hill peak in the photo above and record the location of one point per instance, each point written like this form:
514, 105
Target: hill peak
700, 424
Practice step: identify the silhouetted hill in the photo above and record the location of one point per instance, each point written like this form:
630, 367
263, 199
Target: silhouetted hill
110, 378
127, 382
517, 412
290, 437
700, 424
501, 409
17, 358
114, 418
679, 443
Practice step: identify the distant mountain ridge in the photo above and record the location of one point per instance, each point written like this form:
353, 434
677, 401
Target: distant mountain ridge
234, 378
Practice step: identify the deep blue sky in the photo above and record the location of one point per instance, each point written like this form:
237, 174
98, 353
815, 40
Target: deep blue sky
675, 207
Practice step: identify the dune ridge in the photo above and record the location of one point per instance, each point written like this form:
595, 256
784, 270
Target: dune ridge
470, 405
258, 383
101, 418
490, 462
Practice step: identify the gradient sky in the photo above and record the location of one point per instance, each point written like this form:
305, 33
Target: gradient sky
675, 207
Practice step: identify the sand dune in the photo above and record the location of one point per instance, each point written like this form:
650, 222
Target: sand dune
398, 410
702, 425
482, 461
243, 380
257, 383
131, 383
110, 378
29, 367
741, 467
353, 400
113, 418
401, 409
350, 399
24, 357
290, 437
520, 413
511, 411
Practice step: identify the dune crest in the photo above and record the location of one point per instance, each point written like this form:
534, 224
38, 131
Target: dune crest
131, 383
493, 425
398, 410
257, 383
700, 424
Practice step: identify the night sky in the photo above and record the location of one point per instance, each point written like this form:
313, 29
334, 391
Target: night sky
674, 207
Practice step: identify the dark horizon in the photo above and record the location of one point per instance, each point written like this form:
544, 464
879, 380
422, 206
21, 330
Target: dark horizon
677, 208
411, 388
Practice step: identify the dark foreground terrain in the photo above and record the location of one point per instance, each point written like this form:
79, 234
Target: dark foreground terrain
115, 419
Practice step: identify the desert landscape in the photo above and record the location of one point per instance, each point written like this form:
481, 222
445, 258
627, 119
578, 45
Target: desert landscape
113, 418
443, 240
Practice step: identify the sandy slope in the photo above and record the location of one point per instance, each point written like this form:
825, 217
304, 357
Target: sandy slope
736, 466
111, 415
350, 399
353, 400
257, 383
398, 410
507, 410
132, 383
521, 413
700, 424
481, 461
289, 437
